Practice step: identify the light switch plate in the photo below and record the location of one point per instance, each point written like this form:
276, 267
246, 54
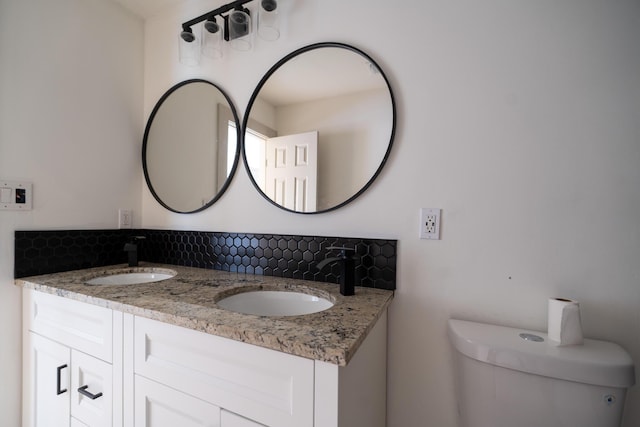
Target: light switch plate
16, 195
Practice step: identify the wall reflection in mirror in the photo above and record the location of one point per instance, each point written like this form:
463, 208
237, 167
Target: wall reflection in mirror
190, 147
319, 128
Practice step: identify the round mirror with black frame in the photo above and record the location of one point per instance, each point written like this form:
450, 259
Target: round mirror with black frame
319, 128
191, 146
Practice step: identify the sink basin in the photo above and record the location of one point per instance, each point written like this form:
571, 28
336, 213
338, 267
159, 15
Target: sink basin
274, 303
129, 278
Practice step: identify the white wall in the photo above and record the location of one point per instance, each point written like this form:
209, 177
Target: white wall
71, 123
519, 119
516, 114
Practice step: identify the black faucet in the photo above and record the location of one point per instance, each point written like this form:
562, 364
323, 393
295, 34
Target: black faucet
347, 268
131, 248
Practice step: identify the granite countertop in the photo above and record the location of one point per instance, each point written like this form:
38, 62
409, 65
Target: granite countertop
189, 300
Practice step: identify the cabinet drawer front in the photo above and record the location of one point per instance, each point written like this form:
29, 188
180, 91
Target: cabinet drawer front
160, 406
85, 327
264, 385
97, 376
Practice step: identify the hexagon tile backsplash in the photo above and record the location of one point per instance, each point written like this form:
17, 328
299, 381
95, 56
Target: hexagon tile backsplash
51, 251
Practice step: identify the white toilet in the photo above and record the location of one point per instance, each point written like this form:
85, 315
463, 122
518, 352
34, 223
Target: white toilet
510, 377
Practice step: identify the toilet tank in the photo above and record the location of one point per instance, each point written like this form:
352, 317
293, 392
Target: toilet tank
508, 377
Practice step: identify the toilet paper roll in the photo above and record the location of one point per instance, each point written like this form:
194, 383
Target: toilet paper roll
564, 325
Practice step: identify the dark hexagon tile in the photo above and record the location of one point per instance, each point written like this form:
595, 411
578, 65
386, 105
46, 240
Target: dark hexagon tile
39, 252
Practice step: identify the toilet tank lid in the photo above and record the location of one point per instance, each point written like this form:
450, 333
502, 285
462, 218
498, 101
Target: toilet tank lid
595, 362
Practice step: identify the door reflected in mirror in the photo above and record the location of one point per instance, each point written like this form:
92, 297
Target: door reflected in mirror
190, 147
280, 160
319, 128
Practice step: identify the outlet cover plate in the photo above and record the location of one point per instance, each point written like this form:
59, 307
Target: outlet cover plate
430, 223
125, 218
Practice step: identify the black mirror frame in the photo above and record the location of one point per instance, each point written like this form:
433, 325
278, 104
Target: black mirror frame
262, 83
146, 135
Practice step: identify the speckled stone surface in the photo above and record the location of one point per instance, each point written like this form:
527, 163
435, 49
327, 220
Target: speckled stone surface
189, 300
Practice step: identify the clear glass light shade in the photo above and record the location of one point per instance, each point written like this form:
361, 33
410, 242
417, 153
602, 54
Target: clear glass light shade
212, 43
189, 52
240, 34
269, 24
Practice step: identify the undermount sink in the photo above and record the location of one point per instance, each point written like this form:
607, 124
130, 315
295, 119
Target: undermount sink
130, 278
275, 303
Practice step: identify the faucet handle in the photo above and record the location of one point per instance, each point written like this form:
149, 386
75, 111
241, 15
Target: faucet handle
136, 239
131, 245
347, 263
345, 255
344, 251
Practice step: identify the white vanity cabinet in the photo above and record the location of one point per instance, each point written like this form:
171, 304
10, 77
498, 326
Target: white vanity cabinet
68, 363
155, 374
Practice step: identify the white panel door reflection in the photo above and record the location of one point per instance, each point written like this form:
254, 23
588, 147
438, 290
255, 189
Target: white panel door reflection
291, 175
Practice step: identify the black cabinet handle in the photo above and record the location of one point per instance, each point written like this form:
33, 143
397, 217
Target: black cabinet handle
58, 371
83, 391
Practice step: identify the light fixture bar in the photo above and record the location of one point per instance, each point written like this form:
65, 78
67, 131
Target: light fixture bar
236, 28
216, 12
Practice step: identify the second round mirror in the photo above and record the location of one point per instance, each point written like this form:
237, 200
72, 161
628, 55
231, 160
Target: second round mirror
319, 128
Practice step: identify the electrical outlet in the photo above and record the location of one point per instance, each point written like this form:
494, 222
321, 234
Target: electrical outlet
125, 218
430, 223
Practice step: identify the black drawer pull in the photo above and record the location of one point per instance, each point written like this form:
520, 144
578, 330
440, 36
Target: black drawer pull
83, 391
58, 371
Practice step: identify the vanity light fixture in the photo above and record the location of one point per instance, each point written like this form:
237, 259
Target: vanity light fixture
269, 20
211, 38
239, 29
232, 23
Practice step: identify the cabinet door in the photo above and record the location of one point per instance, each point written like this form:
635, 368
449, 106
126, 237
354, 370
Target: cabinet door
268, 386
229, 419
160, 406
91, 390
47, 385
